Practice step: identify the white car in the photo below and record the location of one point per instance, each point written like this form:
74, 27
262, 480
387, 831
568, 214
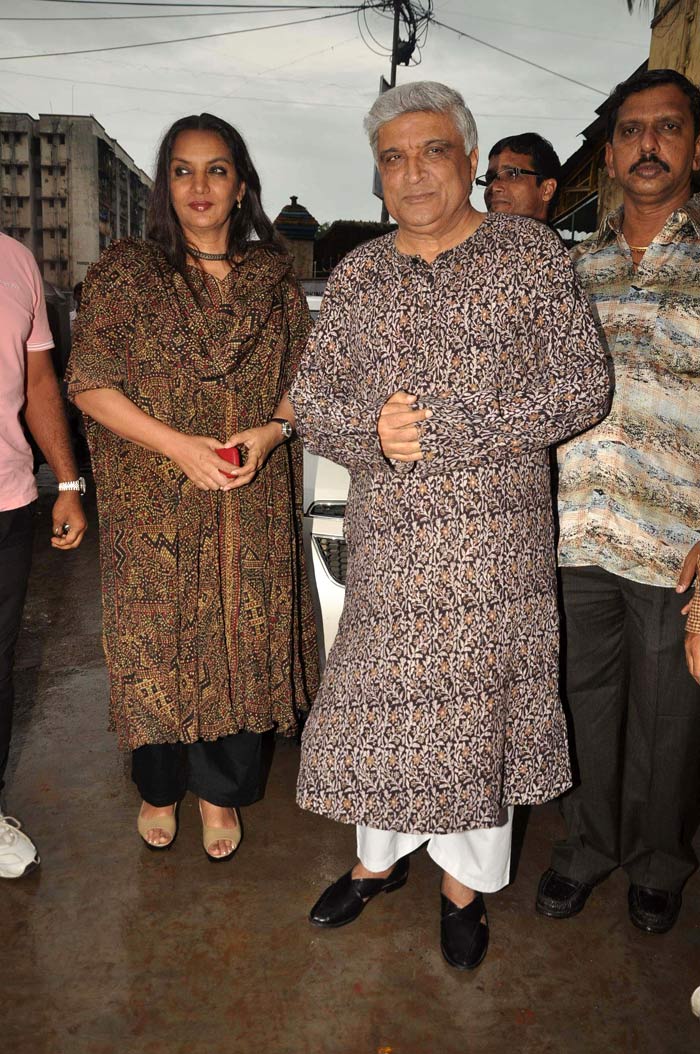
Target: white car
325, 496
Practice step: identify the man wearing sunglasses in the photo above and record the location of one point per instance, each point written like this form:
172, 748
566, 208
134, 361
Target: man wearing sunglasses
522, 177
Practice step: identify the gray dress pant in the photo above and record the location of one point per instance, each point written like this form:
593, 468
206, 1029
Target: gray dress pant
635, 711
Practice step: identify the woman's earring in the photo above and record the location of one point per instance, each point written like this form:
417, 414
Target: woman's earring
238, 203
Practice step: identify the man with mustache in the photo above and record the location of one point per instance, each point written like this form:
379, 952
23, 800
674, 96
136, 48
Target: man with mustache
629, 510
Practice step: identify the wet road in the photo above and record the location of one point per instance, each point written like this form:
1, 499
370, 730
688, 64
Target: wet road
110, 949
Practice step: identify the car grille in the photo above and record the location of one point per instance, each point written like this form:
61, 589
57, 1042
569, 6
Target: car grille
335, 556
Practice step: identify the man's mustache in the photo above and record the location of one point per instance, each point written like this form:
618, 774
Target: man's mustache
649, 159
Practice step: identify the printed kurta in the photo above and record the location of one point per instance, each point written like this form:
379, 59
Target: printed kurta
208, 628
439, 702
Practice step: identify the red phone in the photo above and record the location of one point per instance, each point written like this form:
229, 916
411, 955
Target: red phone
231, 454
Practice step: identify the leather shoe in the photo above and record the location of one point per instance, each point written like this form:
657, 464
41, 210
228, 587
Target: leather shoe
653, 910
560, 897
464, 938
345, 899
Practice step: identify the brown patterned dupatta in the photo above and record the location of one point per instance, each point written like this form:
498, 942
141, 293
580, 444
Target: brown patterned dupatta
227, 330
208, 624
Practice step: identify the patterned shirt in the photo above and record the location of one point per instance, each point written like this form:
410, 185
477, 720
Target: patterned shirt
629, 494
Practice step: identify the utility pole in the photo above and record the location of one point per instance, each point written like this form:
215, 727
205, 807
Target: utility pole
413, 15
392, 78
395, 43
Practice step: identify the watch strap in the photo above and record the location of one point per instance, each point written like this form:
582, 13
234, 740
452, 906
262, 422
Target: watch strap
287, 429
77, 485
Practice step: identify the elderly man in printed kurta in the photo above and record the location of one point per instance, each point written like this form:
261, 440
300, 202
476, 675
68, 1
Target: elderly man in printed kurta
447, 358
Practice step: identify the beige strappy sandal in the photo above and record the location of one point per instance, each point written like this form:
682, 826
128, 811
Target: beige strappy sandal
160, 823
220, 834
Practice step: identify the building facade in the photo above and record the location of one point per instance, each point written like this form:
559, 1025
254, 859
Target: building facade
66, 190
298, 228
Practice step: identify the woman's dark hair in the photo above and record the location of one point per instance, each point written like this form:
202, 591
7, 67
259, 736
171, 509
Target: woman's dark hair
162, 225
652, 79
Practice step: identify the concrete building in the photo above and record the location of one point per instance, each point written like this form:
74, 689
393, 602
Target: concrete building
66, 190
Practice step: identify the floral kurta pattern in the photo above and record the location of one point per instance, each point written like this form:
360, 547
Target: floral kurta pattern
208, 627
439, 703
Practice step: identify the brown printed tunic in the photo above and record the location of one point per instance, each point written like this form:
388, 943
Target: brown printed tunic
439, 702
208, 627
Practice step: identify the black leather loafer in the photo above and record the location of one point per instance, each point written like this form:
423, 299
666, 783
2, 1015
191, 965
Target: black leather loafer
653, 910
343, 901
464, 938
560, 897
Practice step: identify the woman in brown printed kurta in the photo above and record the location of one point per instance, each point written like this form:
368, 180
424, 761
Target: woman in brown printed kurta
208, 629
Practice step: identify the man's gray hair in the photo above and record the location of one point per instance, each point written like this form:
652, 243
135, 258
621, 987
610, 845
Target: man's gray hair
418, 97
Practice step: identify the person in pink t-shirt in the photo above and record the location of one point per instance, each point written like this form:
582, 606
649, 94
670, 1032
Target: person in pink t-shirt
27, 385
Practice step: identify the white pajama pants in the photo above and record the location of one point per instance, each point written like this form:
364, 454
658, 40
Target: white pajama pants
478, 859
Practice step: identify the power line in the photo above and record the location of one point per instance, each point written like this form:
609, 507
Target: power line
240, 9
555, 32
175, 40
519, 58
302, 58
248, 7
258, 98
135, 18
179, 91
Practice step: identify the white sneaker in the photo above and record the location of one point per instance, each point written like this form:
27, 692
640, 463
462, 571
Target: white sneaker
18, 854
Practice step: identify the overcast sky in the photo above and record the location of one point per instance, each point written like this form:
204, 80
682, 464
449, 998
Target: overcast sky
298, 94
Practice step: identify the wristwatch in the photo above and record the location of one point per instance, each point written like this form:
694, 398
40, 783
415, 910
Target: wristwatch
73, 484
287, 430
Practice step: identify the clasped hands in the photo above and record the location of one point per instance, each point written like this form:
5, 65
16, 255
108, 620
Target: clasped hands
398, 427
197, 457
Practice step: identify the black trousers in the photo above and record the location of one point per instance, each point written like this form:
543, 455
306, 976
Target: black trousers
16, 538
636, 723
224, 771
